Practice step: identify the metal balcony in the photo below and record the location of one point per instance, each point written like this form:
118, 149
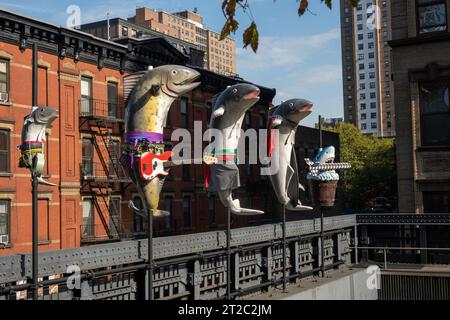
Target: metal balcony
100, 110
98, 172
91, 233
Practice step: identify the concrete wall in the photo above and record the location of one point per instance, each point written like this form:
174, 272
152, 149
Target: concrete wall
352, 286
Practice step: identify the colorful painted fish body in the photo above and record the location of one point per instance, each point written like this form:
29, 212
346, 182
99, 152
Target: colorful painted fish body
228, 111
33, 137
145, 118
285, 181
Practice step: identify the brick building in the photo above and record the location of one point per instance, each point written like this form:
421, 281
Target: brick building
184, 29
82, 75
420, 45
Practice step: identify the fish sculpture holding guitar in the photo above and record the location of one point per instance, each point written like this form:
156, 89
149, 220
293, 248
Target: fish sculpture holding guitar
154, 165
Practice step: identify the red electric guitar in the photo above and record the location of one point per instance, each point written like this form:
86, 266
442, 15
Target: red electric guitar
153, 165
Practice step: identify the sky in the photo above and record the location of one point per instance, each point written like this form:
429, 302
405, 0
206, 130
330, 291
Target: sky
299, 56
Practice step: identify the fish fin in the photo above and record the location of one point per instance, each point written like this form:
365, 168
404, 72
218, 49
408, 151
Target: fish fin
45, 182
218, 112
155, 89
276, 121
298, 207
143, 213
301, 187
129, 83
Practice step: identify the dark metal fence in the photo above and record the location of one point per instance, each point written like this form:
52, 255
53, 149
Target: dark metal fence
187, 266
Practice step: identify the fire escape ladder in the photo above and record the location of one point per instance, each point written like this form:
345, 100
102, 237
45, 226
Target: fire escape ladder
101, 215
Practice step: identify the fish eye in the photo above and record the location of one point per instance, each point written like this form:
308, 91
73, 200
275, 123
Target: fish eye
174, 72
291, 104
234, 91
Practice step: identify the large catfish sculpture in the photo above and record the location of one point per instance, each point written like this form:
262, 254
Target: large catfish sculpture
286, 118
228, 111
32, 143
145, 117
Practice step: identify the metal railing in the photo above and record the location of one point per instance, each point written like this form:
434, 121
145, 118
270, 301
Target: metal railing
96, 171
385, 251
100, 108
98, 232
190, 266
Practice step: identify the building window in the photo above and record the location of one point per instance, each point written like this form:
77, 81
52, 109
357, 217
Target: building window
372, 75
362, 76
138, 221
370, 35
211, 210
362, 96
184, 119
363, 116
373, 125
187, 211
87, 153
360, 46
124, 31
361, 66
373, 105
372, 95
372, 85
113, 99
373, 115
362, 86
371, 55
87, 228
371, 45
4, 151
168, 208
5, 212
4, 80
371, 65
86, 95
432, 16
436, 202
435, 113
363, 106
363, 126
360, 36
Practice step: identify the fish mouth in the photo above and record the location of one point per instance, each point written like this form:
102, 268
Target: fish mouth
306, 108
252, 95
330, 160
189, 80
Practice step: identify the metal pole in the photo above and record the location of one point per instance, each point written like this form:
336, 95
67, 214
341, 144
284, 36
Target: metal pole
320, 131
228, 254
322, 243
385, 258
356, 245
34, 252
34, 190
108, 27
283, 209
150, 254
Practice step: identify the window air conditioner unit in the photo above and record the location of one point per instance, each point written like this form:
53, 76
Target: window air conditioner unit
4, 239
4, 97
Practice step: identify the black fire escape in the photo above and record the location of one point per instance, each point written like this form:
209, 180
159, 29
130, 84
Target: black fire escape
102, 176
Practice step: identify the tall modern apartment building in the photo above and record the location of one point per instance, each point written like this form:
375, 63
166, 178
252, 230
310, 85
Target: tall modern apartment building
366, 67
184, 29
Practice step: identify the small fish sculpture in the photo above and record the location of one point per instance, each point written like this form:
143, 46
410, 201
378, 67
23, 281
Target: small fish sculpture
32, 142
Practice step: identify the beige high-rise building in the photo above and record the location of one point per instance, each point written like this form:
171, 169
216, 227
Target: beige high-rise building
366, 67
220, 56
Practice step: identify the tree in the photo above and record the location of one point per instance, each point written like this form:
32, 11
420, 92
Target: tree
373, 174
251, 34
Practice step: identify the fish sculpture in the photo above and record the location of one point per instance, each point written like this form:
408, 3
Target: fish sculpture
227, 114
322, 167
32, 141
285, 181
149, 96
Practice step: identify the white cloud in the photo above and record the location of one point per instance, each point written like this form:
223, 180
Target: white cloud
284, 51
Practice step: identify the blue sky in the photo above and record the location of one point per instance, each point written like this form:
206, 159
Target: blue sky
300, 57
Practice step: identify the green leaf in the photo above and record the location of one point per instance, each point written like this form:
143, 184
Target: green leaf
251, 37
231, 25
328, 3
